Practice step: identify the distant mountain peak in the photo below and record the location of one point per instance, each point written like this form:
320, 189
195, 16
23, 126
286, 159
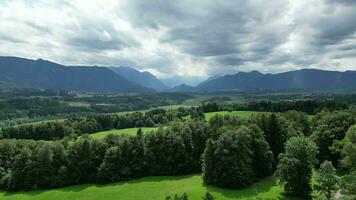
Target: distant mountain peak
144, 78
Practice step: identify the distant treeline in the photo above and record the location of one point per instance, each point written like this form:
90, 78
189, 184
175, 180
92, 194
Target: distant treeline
71, 127
102, 122
306, 106
37, 107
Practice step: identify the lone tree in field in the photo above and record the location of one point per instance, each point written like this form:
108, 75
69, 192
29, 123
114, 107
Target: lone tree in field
326, 180
296, 164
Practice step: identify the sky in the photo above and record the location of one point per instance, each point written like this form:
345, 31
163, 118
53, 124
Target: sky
186, 40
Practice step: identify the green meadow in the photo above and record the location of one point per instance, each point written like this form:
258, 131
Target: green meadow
129, 131
153, 188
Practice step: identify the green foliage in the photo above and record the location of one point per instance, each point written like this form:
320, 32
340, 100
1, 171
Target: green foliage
277, 131
296, 164
349, 149
231, 160
326, 180
330, 128
348, 183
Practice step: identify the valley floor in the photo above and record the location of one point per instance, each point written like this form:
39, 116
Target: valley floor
153, 188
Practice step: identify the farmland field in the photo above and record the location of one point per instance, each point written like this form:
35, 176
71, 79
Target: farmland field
129, 131
152, 188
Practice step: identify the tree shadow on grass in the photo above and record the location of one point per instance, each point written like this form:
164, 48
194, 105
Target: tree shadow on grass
268, 184
257, 189
79, 188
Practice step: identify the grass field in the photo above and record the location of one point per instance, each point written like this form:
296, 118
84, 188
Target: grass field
242, 114
129, 131
152, 188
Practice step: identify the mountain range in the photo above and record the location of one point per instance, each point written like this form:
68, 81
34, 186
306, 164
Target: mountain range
44, 74
304, 79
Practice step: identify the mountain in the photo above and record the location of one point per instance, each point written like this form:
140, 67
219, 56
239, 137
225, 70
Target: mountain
44, 74
144, 79
182, 88
305, 79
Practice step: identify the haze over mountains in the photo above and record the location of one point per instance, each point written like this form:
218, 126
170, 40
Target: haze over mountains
144, 79
44, 74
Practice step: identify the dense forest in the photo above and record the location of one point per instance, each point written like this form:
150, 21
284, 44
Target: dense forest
229, 151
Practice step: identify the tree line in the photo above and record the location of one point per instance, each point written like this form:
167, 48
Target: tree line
311, 107
63, 104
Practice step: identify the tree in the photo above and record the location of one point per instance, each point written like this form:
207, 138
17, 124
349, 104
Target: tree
326, 180
348, 183
43, 169
230, 160
208, 196
20, 174
277, 131
80, 163
349, 150
330, 128
296, 164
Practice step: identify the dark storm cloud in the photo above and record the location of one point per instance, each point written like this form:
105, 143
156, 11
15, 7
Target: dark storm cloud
186, 38
220, 31
336, 27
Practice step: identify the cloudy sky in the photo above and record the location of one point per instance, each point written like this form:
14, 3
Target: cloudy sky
186, 39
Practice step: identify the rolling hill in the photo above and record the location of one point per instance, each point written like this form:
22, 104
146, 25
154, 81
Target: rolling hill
44, 74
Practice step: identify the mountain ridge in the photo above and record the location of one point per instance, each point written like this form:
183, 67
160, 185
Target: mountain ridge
44, 74
304, 79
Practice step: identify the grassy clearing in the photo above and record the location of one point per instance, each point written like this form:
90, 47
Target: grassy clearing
153, 188
129, 131
242, 114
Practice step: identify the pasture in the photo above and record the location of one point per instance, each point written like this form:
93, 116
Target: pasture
129, 131
153, 188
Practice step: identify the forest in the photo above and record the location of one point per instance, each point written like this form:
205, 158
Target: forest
229, 151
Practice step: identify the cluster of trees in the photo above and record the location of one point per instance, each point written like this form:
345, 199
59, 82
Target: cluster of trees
237, 155
332, 143
237, 158
174, 150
